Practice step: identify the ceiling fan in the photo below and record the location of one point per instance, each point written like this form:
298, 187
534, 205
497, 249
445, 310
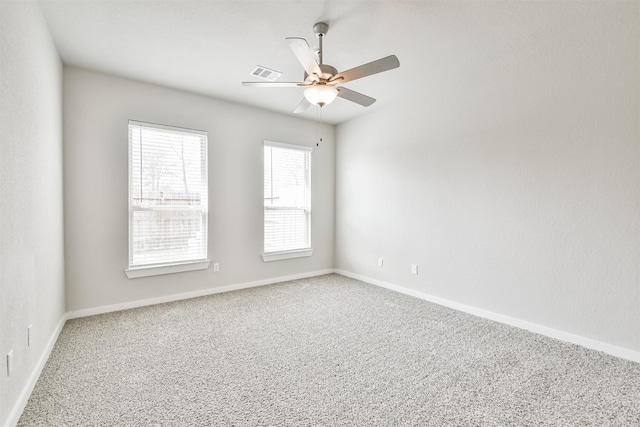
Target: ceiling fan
322, 81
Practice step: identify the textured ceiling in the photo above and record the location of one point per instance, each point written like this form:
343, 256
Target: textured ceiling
209, 47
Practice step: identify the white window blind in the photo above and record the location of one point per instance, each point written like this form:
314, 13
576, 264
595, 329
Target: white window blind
287, 197
168, 196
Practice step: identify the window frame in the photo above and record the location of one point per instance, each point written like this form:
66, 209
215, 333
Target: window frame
297, 252
175, 266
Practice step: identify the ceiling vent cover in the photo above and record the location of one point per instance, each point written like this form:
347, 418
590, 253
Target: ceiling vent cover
265, 73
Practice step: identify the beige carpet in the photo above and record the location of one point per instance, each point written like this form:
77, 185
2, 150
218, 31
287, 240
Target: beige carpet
326, 351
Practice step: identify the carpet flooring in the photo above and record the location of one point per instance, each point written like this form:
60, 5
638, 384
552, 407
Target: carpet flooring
324, 351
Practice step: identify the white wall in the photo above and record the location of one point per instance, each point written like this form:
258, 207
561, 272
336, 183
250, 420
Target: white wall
31, 214
514, 184
97, 108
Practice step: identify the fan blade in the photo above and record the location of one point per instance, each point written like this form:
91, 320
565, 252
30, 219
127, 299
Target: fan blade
375, 67
305, 55
274, 84
303, 106
354, 96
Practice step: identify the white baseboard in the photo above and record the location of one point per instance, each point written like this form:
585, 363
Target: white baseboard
613, 350
19, 406
194, 294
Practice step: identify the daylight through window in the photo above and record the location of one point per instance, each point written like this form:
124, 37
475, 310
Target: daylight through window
287, 198
168, 197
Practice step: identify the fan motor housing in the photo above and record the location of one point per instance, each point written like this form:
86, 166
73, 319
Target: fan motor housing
327, 72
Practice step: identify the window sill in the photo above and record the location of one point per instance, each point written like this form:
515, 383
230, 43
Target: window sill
134, 273
278, 256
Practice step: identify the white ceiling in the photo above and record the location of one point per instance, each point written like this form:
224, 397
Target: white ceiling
210, 47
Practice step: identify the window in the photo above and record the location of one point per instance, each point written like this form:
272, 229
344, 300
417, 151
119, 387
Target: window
168, 199
287, 201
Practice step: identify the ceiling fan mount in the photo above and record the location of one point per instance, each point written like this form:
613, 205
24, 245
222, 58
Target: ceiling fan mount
322, 81
320, 29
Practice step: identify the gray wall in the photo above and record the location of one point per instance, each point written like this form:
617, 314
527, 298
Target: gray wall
514, 185
97, 108
31, 224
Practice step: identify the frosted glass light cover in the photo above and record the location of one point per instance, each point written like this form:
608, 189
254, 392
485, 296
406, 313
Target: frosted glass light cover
321, 94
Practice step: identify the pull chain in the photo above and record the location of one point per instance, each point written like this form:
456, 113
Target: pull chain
319, 123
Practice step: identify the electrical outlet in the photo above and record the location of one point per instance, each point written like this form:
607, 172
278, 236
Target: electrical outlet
216, 267
29, 335
380, 262
414, 269
9, 362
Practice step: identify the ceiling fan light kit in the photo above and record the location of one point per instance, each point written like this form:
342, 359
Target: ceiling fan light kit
323, 82
321, 94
